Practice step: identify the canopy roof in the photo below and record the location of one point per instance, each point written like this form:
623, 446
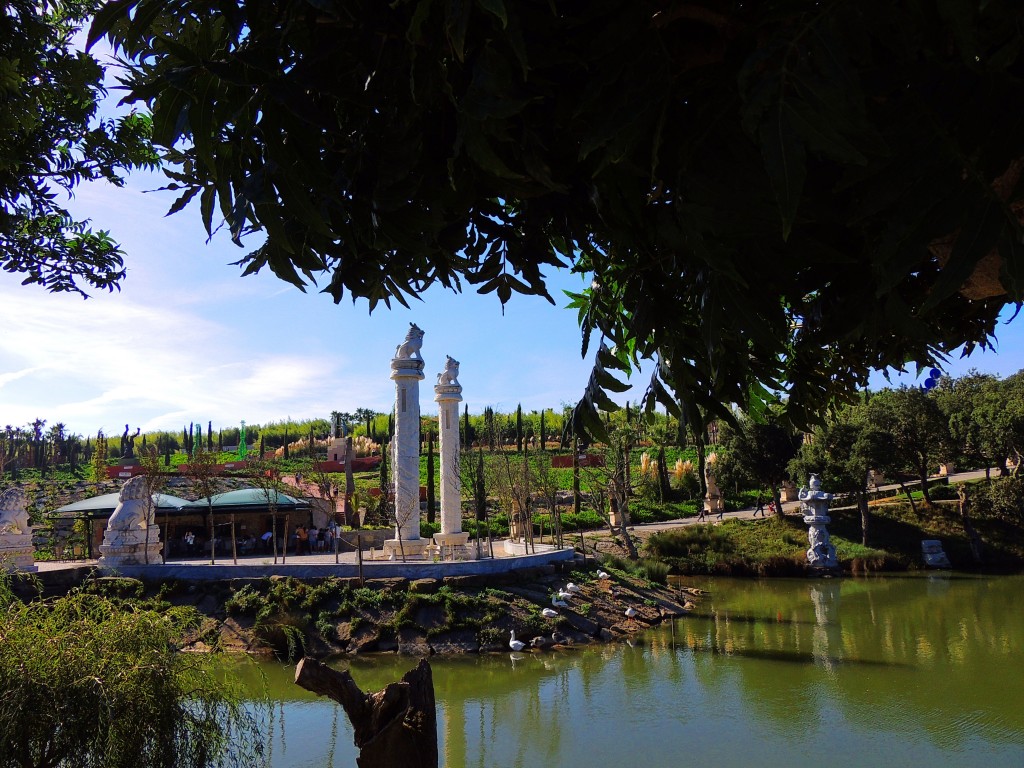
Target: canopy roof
248, 497
107, 503
244, 499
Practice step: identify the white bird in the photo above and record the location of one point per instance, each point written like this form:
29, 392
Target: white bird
570, 587
603, 575
549, 613
540, 642
516, 645
630, 612
557, 601
563, 595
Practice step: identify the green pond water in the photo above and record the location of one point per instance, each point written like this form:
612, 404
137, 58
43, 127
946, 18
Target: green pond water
895, 671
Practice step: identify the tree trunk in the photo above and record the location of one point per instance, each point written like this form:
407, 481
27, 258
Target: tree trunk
395, 726
910, 498
965, 518
922, 473
865, 515
777, 498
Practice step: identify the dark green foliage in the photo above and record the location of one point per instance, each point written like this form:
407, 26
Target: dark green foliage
1002, 498
50, 142
855, 176
87, 682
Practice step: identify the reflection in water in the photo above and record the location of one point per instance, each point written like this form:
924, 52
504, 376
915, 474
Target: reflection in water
895, 671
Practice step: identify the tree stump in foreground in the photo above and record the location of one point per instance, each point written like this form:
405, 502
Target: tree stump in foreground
396, 726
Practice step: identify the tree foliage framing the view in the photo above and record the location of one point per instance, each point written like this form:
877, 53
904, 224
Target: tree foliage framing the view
771, 198
51, 141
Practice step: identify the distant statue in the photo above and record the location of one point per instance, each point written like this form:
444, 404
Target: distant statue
131, 512
410, 348
128, 443
13, 515
450, 375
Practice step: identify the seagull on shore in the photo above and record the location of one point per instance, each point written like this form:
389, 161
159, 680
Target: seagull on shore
558, 602
570, 587
563, 595
516, 645
630, 612
549, 613
603, 575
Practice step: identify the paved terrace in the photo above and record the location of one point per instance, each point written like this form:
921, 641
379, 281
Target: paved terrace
319, 565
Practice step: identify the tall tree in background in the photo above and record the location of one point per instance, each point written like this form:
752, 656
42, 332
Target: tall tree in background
919, 431
519, 428
763, 451
843, 452
209, 436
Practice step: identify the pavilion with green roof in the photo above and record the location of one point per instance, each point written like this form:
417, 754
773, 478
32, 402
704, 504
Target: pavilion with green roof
247, 509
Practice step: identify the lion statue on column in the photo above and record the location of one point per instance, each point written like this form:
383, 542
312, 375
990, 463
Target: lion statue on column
450, 375
410, 348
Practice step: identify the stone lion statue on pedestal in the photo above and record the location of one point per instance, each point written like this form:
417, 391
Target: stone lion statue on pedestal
450, 375
410, 348
131, 510
13, 515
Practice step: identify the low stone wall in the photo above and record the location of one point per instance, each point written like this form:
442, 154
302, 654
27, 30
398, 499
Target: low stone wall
372, 569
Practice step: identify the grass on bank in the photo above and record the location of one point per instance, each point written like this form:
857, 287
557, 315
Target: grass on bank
774, 547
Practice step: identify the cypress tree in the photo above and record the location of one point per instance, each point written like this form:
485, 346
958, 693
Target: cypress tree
209, 436
220, 439
519, 428
543, 432
190, 444
466, 439
185, 442
311, 442
262, 449
489, 426
167, 450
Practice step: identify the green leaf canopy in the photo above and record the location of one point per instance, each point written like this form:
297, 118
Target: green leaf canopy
773, 197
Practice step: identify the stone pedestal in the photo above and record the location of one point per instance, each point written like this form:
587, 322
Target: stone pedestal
16, 550
412, 549
821, 555
407, 373
129, 547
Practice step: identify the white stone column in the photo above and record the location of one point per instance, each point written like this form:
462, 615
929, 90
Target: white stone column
407, 373
448, 394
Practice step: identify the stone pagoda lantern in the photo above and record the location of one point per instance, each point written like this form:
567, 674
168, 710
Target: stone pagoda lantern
814, 503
